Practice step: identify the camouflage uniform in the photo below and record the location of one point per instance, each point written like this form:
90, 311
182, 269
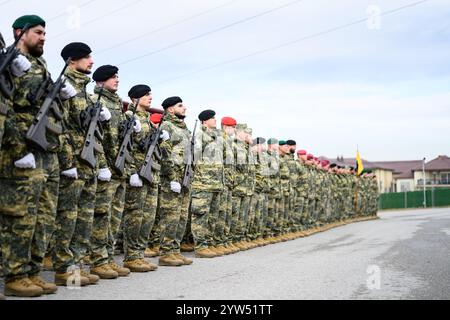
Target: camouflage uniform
173, 206
28, 198
207, 187
110, 196
140, 203
302, 195
285, 193
293, 177
274, 197
76, 203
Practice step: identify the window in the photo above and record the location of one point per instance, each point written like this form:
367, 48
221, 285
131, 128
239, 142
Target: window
445, 178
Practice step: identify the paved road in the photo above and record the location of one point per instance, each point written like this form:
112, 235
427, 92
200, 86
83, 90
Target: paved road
404, 255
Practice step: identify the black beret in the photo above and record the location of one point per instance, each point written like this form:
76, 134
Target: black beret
104, 73
30, 20
139, 91
259, 141
170, 102
291, 143
333, 165
75, 51
206, 115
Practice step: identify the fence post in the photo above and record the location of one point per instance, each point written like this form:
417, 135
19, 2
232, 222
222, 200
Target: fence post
432, 197
406, 200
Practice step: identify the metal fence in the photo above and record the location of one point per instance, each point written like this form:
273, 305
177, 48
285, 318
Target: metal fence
435, 197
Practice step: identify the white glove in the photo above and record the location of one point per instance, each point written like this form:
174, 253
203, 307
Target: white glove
175, 187
104, 175
68, 91
72, 173
20, 66
137, 125
28, 162
136, 181
165, 135
105, 115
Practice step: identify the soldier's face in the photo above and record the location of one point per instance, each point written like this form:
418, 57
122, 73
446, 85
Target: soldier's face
241, 135
231, 131
180, 110
84, 65
146, 101
112, 84
34, 40
211, 123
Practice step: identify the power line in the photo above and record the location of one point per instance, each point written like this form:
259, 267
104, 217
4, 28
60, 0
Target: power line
62, 14
304, 38
211, 32
164, 27
4, 2
101, 17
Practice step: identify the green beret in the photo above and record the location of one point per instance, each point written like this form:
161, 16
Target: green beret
241, 127
282, 143
31, 20
272, 141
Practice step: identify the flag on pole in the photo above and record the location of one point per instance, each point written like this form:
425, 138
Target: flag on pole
359, 164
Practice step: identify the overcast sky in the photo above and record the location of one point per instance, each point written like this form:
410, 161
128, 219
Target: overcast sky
382, 83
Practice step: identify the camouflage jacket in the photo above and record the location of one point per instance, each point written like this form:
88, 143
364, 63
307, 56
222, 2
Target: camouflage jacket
244, 183
274, 174
262, 173
229, 152
285, 173
302, 184
74, 136
174, 150
293, 170
209, 168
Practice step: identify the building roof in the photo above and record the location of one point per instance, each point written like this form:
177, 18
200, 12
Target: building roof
402, 169
441, 163
352, 162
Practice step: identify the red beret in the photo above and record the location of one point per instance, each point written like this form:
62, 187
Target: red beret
302, 153
310, 157
325, 163
156, 118
230, 122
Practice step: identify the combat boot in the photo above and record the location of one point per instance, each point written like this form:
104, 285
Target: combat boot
137, 266
186, 261
49, 288
104, 272
71, 279
23, 288
2, 297
187, 247
93, 279
205, 253
153, 266
150, 253
227, 250
217, 250
121, 271
170, 260
241, 246
233, 247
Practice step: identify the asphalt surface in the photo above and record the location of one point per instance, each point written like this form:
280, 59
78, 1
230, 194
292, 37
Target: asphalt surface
404, 255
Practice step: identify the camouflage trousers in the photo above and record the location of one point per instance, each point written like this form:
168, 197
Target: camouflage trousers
272, 215
138, 219
258, 216
174, 210
284, 212
109, 206
2, 127
205, 207
241, 209
155, 233
28, 201
222, 232
74, 221
300, 208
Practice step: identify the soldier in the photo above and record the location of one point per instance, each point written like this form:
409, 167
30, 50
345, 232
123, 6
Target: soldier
78, 185
29, 174
285, 189
302, 189
274, 197
142, 195
207, 186
110, 195
227, 221
174, 194
294, 226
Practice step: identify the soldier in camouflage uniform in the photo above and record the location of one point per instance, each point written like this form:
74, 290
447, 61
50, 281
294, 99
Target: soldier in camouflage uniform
293, 224
302, 189
226, 221
78, 185
285, 190
274, 196
29, 175
110, 195
174, 198
207, 186
142, 196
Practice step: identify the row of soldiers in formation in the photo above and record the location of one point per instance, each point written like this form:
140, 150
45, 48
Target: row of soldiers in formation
67, 195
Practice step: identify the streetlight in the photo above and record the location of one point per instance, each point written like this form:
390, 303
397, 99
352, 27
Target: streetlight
424, 185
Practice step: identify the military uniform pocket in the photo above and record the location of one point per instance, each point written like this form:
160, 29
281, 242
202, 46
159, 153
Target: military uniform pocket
15, 196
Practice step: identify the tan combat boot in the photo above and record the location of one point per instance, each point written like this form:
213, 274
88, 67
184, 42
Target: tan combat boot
49, 288
150, 253
218, 251
137, 266
186, 261
104, 272
170, 260
23, 288
93, 279
233, 247
71, 279
187, 247
205, 253
153, 266
122, 272
227, 250
241, 246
